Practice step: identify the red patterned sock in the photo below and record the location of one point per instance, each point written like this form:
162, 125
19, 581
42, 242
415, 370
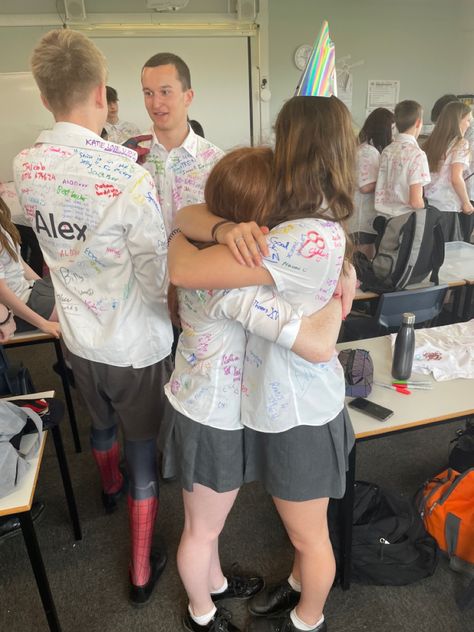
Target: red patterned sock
108, 464
142, 515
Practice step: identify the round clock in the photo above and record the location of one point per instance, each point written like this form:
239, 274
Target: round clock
301, 56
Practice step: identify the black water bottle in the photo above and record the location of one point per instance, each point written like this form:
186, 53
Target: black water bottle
404, 349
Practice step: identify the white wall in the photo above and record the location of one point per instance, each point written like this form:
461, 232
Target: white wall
426, 44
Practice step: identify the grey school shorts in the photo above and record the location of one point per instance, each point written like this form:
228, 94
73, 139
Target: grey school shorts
132, 397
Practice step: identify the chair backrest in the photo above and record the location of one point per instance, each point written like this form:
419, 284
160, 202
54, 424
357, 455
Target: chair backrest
426, 303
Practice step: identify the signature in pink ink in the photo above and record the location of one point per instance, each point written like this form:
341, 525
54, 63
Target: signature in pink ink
314, 246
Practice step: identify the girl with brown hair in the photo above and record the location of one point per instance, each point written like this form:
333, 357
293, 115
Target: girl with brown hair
30, 298
297, 434
448, 157
204, 443
374, 136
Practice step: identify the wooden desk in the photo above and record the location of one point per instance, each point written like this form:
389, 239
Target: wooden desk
447, 401
37, 337
20, 503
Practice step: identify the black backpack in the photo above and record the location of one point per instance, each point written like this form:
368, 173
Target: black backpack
390, 546
409, 249
461, 457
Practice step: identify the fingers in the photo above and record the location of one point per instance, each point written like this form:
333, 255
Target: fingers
247, 242
348, 281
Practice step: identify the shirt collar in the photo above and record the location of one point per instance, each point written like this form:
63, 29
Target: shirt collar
72, 135
406, 138
189, 144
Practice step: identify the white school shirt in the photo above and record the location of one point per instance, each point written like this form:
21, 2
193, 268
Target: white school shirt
367, 165
121, 131
280, 390
440, 192
206, 383
180, 175
13, 273
402, 163
469, 136
98, 222
10, 197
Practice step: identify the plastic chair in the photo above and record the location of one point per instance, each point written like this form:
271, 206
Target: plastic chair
426, 303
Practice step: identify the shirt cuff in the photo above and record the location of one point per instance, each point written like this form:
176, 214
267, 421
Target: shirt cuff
289, 333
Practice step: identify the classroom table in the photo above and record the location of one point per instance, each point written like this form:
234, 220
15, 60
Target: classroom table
447, 401
36, 337
20, 503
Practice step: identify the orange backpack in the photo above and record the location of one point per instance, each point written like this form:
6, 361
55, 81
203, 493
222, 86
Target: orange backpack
446, 504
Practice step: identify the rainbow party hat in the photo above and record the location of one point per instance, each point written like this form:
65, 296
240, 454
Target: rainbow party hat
319, 76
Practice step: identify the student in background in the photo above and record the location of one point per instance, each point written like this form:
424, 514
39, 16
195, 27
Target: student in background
30, 298
467, 221
374, 136
99, 224
179, 160
448, 157
439, 105
404, 167
117, 131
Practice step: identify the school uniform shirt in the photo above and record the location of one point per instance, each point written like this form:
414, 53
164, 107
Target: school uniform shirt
402, 163
206, 383
367, 166
10, 197
121, 131
99, 225
469, 136
180, 175
440, 192
280, 390
12, 272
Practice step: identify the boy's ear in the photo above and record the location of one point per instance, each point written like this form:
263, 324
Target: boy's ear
419, 123
44, 101
100, 96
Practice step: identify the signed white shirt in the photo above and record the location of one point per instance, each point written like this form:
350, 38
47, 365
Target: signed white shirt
280, 390
440, 192
402, 164
206, 382
99, 225
180, 175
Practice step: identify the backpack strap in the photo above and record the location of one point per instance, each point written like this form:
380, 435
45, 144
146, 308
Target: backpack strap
437, 257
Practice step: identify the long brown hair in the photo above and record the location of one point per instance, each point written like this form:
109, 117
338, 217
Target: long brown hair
445, 131
9, 227
314, 160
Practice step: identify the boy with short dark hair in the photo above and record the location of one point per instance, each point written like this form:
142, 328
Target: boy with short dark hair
404, 167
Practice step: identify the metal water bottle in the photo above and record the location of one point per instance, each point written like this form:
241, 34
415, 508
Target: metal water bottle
404, 349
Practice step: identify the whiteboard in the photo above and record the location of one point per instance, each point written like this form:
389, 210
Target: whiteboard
219, 73
219, 76
22, 117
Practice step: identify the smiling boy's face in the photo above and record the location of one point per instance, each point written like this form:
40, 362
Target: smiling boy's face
165, 100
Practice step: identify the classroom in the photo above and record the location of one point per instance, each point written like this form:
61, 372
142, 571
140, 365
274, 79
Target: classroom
246, 59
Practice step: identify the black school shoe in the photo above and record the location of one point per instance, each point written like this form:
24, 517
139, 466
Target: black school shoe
10, 525
220, 622
140, 595
279, 624
240, 588
274, 600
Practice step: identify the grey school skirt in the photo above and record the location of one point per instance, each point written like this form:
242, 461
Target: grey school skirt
303, 463
300, 464
196, 453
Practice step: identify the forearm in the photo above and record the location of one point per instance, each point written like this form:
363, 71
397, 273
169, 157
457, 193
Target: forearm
317, 337
19, 308
196, 222
460, 187
30, 274
416, 196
